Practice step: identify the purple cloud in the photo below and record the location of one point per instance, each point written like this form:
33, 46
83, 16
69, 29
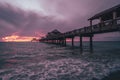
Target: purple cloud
14, 20
63, 15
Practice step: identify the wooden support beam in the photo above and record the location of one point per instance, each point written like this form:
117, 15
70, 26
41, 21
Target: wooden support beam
114, 17
91, 24
52, 41
56, 41
81, 46
59, 42
65, 42
72, 41
91, 43
100, 18
101, 22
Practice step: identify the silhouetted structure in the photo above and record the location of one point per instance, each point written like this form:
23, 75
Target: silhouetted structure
109, 22
35, 40
53, 37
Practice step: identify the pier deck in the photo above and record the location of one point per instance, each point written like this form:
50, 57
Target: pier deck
109, 22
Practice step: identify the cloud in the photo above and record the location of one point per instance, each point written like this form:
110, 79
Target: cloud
13, 19
63, 15
11, 15
76, 12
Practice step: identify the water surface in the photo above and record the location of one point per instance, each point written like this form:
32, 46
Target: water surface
41, 61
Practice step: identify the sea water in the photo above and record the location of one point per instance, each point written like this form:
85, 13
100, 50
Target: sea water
42, 61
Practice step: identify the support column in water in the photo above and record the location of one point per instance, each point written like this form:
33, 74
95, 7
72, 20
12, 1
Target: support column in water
81, 46
72, 41
91, 43
64, 41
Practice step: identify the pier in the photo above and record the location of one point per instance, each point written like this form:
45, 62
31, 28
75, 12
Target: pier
109, 21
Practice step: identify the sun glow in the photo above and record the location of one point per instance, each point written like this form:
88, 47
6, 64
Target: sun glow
16, 38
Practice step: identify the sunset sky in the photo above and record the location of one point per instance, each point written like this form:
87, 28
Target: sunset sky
34, 18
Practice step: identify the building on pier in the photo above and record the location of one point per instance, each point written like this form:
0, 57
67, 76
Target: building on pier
53, 33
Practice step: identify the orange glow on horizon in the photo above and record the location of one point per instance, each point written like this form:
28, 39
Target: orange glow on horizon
16, 38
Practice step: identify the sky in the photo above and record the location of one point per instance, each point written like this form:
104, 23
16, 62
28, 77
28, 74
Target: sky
27, 19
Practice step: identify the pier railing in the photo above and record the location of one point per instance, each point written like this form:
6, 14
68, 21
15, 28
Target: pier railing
106, 26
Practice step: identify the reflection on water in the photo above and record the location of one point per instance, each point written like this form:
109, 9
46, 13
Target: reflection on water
39, 61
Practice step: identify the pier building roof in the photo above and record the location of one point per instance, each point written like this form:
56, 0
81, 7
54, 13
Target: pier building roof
107, 14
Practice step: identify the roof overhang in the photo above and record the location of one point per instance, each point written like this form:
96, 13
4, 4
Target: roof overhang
106, 12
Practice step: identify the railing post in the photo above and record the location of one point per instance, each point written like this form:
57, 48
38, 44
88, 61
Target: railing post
114, 17
101, 23
91, 24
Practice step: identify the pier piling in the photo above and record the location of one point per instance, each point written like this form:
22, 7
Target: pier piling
72, 41
91, 44
81, 46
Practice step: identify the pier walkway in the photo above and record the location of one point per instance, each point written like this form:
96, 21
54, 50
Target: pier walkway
109, 21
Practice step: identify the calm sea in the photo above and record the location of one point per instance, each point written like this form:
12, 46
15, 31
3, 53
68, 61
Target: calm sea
41, 61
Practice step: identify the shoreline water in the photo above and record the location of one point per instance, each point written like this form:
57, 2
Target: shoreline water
40, 61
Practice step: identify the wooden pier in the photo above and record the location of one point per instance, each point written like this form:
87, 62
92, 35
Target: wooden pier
109, 21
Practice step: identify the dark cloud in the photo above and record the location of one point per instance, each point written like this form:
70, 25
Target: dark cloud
15, 20
77, 11
11, 15
64, 15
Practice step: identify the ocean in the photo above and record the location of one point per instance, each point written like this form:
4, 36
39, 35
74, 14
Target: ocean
42, 61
